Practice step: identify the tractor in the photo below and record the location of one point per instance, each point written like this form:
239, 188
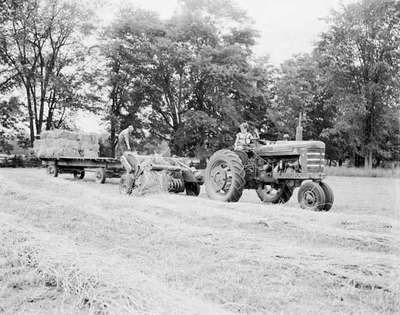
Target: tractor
274, 170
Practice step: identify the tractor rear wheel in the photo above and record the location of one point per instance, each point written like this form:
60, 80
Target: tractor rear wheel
328, 196
278, 193
225, 176
311, 196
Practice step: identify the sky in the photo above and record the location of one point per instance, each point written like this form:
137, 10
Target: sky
286, 27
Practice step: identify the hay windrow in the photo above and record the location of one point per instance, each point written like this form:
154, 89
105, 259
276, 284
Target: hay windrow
88, 282
87, 287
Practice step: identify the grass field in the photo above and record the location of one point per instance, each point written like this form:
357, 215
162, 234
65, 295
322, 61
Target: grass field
362, 172
77, 247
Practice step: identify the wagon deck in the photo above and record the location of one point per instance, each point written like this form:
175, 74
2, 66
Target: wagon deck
105, 167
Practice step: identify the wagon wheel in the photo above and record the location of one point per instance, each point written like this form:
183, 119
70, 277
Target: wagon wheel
101, 175
79, 175
52, 170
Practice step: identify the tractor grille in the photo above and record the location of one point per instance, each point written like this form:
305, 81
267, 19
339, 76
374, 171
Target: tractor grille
315, 160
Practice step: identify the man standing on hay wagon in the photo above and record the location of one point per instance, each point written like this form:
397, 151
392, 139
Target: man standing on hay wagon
123, 141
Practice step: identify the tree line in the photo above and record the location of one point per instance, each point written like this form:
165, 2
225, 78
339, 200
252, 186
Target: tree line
193, 78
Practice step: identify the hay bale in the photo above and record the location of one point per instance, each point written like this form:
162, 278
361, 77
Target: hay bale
40, 147
90, 154
57, 143
44, 134
67, 152
38, 144
88, 138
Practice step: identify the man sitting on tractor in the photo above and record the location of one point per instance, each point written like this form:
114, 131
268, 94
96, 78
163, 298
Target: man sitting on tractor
243, 138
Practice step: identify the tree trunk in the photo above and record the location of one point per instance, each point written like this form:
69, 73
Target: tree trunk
352, 159
112, 136
31, 117
50, 111
49, 120
113, 130
368, 160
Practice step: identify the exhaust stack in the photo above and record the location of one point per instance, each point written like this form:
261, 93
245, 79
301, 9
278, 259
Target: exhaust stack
299, 129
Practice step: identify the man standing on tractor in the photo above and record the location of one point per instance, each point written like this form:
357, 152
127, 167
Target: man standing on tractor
123, 141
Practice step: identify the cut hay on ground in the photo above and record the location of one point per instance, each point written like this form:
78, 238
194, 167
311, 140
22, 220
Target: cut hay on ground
172, 254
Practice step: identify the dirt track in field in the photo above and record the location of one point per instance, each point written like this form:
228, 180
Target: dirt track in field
174, 254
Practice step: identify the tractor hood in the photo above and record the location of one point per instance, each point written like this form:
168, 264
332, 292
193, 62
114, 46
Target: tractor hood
289, 147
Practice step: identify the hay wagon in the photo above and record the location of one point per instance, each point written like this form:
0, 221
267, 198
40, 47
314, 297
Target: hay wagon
104, 167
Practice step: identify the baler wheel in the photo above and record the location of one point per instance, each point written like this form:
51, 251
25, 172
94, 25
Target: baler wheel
126, 184
192, 189
275, 193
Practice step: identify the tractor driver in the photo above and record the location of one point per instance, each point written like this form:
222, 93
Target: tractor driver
243, 138
123, 141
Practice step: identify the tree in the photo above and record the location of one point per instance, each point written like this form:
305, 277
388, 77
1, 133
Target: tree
10, 117
39, 45
185, 73
302, 88
360, 55
121, 72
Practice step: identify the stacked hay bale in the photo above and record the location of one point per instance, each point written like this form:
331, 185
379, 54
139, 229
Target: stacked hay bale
57, 143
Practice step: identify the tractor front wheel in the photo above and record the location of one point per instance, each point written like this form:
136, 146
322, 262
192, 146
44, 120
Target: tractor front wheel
225, 176
311, 196
328, 196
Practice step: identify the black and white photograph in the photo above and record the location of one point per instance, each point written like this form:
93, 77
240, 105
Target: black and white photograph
199, 157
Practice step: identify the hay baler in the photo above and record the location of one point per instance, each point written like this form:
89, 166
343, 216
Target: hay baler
168, 174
